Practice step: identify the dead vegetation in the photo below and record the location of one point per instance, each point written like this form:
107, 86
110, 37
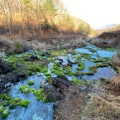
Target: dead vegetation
100, 109
73, 104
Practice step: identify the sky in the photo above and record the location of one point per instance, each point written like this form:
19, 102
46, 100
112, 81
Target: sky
95, 12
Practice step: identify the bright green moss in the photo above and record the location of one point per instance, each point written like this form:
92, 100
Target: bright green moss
58, 70
1, 109
24, 103
39, 94
31, 82
15, 102
81, 66
25, 89
78, 82
48, 74
5, 114
44, 70
86, 56
5, 97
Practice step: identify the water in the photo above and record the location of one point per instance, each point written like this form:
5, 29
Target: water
104, 53
37, 110
83, 50
104, 72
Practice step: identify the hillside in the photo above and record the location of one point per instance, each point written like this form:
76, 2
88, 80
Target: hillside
25, 18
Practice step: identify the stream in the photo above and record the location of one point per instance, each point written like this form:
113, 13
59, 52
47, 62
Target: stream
37, 110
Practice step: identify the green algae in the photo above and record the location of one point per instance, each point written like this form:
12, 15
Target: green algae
31, 82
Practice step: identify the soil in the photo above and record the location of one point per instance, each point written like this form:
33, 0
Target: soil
107, 39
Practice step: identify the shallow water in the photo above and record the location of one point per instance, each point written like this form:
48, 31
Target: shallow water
104, 72
103, 53
83, 50
37, 110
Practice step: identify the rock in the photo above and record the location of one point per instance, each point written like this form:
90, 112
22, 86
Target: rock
10, 78
51, 93
4, 67
61, 83
69, 63
60, 60
32, 58
4, 45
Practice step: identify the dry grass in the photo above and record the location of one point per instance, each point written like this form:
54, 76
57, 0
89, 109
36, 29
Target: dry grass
71, 107
100, 109
115, 84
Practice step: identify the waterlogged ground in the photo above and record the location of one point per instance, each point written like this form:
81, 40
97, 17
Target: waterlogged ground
78, 65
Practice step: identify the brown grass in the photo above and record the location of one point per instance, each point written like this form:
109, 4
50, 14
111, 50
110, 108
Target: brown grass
100, 109
71, 107
115, 84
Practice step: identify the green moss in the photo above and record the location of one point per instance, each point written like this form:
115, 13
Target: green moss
39, 94
44, 70
49, 79
97, 60
58, 70
24, 103
5, 114
15, 102
78, 82
5, 97
31, 82
48, 74
86, 56
1, 109
93, 69
6, 102
39, 74
81, 66
56, 66
25, 89
110, 49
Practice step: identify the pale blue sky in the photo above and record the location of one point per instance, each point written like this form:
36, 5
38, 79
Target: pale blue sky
95, 12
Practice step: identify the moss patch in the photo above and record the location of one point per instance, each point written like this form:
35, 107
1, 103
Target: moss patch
24, 103
31, 82
25, 89
40, 95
